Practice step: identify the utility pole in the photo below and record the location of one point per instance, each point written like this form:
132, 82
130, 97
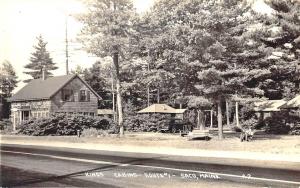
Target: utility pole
67, 50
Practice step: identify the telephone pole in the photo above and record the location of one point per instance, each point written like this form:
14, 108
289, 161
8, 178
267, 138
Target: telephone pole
67, 51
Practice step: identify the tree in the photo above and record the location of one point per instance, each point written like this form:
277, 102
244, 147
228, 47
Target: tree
8, 81
96, 77
280, 39
106, 32
200, 44
79, 70
40, 58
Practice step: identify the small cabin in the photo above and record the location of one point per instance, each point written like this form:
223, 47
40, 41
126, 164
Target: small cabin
67, 94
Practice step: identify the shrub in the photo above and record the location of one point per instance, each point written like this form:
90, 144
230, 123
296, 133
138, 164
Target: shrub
277, 124
146, 122
250, 123
295, 130
6, 126
64, 125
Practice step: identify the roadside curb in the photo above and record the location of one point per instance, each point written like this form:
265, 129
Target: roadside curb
165, 151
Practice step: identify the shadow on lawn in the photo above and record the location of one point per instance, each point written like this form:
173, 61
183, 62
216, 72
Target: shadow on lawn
259, 135
76, 174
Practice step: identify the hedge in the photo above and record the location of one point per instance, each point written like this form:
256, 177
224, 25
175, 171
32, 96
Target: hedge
65, 125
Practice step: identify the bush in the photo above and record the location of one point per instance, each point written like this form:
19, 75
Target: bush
64, 125
277, 124
250, 123
146, 122
295, 130
6, 126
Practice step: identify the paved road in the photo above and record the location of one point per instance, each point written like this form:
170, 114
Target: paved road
61, 167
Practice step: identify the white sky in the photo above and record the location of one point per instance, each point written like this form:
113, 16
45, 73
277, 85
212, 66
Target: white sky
21, 21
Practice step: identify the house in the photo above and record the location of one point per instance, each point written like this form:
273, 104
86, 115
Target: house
267, 108
61, 94
293, 106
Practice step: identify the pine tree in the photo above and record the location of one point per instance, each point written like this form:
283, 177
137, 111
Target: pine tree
106, 32
8, 81
40, 58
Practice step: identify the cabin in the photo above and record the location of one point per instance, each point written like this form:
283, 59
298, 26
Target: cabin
163, 109
292, 106
268, 108
68, 94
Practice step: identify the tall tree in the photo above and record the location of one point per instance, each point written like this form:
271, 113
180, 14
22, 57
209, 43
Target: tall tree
96, 77
106, 30
8, 81
40, 58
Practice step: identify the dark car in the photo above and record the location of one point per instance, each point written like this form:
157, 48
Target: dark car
178, 125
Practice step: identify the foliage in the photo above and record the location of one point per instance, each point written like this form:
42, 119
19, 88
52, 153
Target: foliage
107, 29
8, 81
295, 130
40, 58
277, 124
64, 125
250, 123
146, 122
210, 51
5, 124
95, 77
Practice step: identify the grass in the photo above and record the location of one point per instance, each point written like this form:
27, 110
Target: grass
283, 144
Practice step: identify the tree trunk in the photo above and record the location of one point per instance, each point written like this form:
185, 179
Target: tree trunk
237, 114
200, 120
227, 113
220, 126
119, 98
148, 96
211, 118
158, 97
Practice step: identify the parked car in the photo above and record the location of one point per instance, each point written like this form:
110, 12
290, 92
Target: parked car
177, 125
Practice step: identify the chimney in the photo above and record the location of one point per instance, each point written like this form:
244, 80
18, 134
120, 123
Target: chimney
44, 72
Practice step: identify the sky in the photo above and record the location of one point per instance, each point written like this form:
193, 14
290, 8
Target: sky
21, 21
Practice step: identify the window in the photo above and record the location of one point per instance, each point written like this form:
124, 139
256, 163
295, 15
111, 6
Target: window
86, 113
67, 95
92, 114
84, 96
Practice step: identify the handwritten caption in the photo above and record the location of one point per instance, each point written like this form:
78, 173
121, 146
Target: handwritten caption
155, 175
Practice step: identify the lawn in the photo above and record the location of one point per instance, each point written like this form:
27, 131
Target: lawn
277, 144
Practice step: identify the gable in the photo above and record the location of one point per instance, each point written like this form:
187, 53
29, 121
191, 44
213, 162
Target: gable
76, 84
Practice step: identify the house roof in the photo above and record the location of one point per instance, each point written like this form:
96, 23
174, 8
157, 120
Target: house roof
161, 108
44, 89
293, 103
268, 106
